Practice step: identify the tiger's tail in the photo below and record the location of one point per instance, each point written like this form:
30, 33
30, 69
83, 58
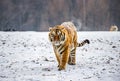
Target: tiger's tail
86, 41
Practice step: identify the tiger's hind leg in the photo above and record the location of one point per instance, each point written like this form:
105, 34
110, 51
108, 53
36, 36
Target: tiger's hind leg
72, 57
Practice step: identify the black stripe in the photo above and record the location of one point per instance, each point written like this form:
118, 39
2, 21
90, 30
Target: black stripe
63, 50
60, 47
72, 51
81, 44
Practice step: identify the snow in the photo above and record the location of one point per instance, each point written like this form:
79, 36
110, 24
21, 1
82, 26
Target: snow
29, 56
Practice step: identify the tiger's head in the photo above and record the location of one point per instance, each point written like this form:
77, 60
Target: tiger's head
57, 35
114, 28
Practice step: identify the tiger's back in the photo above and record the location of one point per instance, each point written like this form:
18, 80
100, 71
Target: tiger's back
69, 25
71, 30
64, 41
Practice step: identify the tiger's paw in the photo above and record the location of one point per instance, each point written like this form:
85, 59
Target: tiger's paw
61, 68
72, 63
58, 65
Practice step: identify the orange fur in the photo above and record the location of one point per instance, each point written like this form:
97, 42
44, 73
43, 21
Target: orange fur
64, 41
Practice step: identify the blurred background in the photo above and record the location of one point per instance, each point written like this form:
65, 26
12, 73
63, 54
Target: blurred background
39, 15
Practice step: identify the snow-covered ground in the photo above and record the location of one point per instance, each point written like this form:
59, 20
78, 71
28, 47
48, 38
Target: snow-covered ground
29, 56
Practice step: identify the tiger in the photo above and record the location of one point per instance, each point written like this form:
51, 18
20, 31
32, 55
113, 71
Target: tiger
64, 41
113, 28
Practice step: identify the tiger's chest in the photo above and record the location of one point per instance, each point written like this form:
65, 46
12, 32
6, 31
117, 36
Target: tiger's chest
59, 49
62, 48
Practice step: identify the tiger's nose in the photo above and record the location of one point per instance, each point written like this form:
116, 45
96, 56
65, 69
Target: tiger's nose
56, 38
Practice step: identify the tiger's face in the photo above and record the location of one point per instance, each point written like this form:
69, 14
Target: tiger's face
57, 35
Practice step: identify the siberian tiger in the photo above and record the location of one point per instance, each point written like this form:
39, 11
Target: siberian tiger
114, 28
64, 40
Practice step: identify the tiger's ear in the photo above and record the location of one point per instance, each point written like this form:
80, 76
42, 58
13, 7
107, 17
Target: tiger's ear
50, 28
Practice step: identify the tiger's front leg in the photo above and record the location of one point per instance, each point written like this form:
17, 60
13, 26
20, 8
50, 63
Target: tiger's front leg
64, 59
